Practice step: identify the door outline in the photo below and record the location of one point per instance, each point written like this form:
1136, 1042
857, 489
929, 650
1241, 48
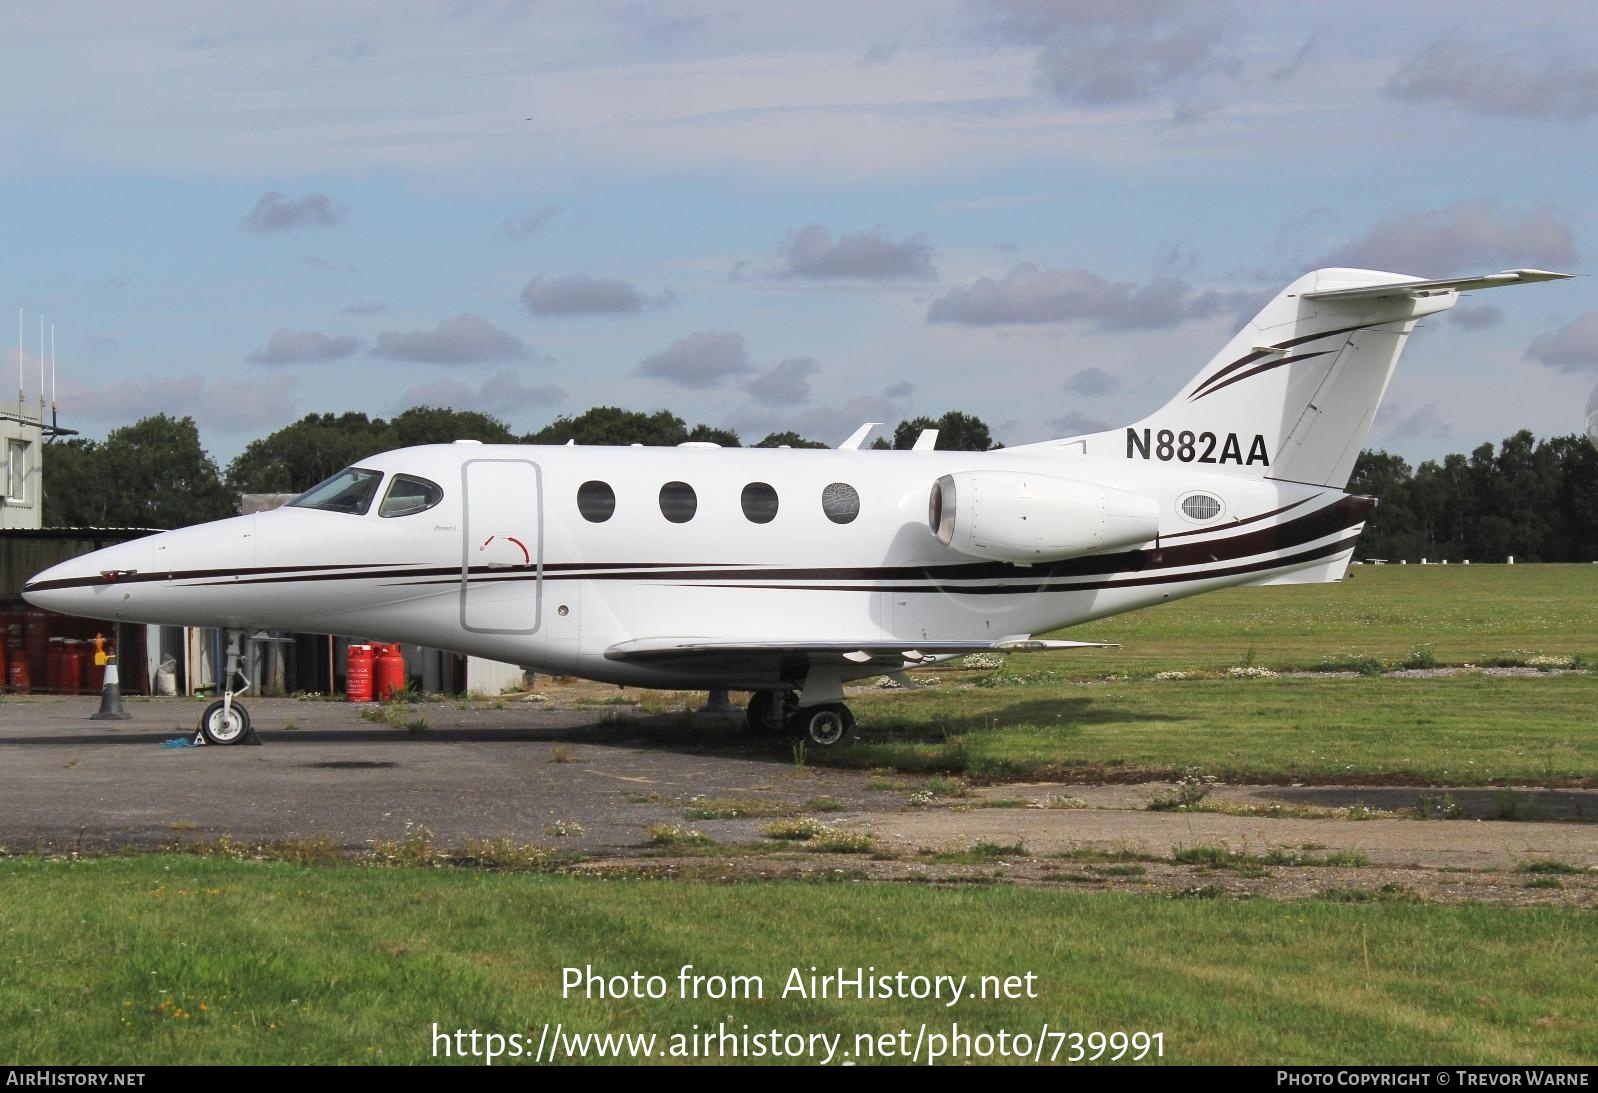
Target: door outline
536, 561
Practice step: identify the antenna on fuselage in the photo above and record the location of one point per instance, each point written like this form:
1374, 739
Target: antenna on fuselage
858, 437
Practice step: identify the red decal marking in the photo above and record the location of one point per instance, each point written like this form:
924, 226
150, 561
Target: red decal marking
527, 559
486, 541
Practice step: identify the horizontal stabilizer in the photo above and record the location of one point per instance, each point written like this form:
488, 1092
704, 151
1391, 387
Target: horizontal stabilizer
847, 652
1433, 288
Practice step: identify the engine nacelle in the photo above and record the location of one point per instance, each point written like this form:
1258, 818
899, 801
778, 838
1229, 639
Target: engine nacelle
1015, 516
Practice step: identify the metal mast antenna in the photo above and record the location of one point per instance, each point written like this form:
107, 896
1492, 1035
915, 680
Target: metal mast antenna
52, 373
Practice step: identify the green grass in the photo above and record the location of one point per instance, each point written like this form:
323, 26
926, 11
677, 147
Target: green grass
1033, 719
1472, 730
735, 808
1453, 614
170, 959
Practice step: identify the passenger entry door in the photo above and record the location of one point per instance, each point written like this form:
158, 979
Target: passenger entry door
502, 546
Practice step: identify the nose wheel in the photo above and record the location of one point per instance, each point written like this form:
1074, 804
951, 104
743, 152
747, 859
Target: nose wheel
225, 722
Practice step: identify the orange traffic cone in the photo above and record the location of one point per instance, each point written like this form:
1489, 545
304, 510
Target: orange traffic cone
111, 695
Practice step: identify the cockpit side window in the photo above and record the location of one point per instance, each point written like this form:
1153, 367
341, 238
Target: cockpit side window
408, 495
350, 490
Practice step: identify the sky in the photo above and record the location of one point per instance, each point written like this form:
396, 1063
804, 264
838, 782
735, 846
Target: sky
765, 216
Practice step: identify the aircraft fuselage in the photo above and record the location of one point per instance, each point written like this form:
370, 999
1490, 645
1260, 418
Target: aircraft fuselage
804, 545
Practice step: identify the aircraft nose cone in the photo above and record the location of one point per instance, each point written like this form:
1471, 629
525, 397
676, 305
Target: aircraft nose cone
92, 585
59, 588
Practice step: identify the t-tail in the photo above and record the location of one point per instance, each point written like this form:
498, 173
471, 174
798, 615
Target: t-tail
1293, 395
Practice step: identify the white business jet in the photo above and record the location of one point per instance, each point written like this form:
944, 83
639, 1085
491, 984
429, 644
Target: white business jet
790, 572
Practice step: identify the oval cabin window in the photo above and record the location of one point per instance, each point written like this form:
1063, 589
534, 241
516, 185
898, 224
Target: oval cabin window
678, 502
1201, 506
596, 501
759, 502
840, 502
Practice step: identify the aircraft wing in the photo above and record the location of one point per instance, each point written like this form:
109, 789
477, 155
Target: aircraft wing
897, 653
1432, 288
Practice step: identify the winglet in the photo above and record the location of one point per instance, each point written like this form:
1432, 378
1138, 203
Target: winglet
858, 437
927, 441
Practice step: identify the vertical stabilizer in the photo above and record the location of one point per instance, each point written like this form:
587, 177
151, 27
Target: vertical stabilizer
1293, 395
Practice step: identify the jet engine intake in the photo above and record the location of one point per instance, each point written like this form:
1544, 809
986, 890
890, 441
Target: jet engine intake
1016, 517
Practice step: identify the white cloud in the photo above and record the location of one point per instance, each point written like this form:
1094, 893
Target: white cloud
1091, 382
273, 213
525, 227
785, 383
1465, 237
501, 394
867, 255
1112, 51
1475, 317
465, 339
303, 346
1075, 423
579, 295
1397, 422
700, 360
829, 424
1571, 348
1504, 84
1028, 294
217, 405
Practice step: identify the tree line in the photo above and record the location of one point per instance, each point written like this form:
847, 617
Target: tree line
155, 473
1534, 499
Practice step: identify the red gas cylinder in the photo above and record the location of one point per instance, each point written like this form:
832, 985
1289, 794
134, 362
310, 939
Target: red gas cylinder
72, 665
390, 671
36, 629
52, 666
17, 673
358, 673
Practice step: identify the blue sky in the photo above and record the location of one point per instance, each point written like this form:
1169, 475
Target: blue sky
762, 216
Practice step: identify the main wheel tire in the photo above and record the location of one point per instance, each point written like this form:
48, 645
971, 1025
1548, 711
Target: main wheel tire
826, 726
224, 723
768, 712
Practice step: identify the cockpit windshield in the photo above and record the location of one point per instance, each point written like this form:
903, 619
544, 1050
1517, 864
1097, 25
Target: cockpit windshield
350, 490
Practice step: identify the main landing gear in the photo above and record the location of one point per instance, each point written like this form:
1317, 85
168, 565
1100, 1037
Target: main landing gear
773, 713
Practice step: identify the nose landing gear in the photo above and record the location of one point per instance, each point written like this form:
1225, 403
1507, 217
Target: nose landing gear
226, 721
